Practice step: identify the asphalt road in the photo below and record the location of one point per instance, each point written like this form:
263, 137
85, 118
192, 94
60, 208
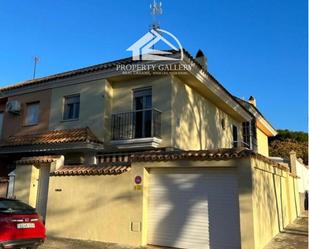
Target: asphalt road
56, 243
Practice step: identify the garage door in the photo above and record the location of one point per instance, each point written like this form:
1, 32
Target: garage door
194, 209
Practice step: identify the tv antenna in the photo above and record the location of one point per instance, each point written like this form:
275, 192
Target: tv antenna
36, 61
156, 10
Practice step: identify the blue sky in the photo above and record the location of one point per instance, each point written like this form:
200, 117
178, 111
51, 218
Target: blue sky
254, 47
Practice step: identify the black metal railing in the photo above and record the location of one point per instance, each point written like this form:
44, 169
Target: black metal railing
136, 124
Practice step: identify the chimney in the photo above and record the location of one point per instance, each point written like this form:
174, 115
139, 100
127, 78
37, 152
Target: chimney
293, 159
201, 59
252, 101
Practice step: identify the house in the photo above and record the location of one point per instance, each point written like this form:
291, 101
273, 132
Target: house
165, 159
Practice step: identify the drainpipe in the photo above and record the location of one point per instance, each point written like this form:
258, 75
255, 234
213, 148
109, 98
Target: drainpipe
10, 193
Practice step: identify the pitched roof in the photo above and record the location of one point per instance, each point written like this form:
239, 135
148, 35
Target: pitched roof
71, 170
68, 74
37, 159
83, 135
110, 65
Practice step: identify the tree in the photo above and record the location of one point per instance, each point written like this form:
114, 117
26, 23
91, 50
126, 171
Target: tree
286, 141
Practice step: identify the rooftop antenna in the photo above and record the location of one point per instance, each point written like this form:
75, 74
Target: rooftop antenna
156, 10
36, 61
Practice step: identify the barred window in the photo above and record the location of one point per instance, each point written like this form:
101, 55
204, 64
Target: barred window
249, 135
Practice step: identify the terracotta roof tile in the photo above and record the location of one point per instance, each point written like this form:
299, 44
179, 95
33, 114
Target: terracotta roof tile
37, 159
114, 158
71, 170
120, 163
200, 155
83, 135
80, 71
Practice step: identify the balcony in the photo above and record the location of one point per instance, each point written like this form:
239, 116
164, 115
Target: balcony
137, 129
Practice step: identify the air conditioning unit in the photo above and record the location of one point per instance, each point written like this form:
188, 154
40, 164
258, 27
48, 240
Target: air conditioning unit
13, 107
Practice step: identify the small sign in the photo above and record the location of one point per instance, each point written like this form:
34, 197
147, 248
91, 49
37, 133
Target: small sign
138, 187
138, 180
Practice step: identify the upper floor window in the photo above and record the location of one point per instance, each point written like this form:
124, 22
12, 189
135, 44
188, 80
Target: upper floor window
235, 136
143, 113
32, 113
249, 134
71, 107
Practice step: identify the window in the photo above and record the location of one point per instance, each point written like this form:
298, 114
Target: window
249, 134
71, 107
223, 123
1, 123
143, 112
246, 134
32, 113
235, 136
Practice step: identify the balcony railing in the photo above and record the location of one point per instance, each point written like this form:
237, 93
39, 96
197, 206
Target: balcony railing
136, 124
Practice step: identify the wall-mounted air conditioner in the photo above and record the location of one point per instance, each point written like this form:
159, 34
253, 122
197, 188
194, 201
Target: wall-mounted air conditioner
13, 107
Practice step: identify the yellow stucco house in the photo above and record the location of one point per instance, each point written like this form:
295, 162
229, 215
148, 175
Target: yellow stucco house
165, 157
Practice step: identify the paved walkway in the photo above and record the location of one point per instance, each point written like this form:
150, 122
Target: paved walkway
295, 236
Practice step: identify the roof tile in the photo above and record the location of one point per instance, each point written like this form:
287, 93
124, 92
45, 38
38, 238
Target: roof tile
37, 159
73, 170
83, 135
202, 155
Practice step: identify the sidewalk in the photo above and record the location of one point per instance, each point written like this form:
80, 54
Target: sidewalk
294, 236
61, 243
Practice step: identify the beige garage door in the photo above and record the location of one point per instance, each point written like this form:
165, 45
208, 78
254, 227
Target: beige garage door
193, 209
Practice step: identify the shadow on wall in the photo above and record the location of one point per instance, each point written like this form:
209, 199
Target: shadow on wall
200, 121
85, 207
87, 204
275, 203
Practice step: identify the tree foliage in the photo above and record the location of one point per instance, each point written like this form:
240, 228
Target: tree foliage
286, 141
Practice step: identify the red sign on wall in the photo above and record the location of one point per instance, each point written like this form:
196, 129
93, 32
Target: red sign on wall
138, 180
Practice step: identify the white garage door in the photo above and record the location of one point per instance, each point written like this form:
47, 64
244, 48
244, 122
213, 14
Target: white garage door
194, 209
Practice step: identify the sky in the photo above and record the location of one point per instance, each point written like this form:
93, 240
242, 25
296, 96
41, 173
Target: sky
254, 47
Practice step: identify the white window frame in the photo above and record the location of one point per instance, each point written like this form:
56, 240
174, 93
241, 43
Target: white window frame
32, 113
65, 99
